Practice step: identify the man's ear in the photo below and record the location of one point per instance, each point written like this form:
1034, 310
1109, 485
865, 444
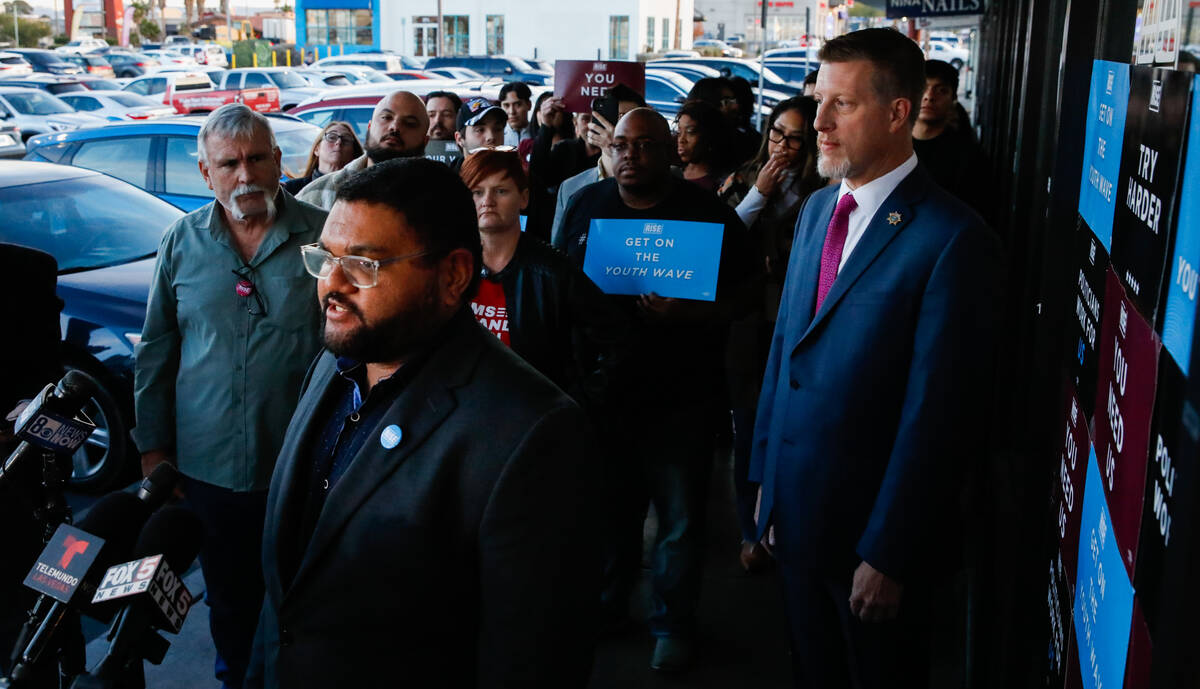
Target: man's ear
457, 271
898, 114
204, 172
458, 139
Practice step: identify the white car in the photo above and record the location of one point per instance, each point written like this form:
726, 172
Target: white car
209, 54
726, 49
117, 105
957, 57
13, 65
171, 58
83, 45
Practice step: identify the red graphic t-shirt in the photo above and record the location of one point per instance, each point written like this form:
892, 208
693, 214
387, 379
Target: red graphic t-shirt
490, 309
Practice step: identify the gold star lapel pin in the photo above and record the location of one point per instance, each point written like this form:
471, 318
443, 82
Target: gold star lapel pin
894, 218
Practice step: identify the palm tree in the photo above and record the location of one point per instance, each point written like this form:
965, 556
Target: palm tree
22, 7
162, 17
187, 12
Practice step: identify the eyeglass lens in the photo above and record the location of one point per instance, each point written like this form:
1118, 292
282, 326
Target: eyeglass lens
361, 272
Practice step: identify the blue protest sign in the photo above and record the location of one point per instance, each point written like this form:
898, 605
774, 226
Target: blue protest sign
1108, 104
1103, 594
1179, 319
672, 258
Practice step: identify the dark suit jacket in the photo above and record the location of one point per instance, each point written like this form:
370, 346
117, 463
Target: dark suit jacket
463, 557
859, 440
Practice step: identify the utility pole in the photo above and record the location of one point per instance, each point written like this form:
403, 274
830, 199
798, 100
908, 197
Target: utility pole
16, 26
437, 33
762, 63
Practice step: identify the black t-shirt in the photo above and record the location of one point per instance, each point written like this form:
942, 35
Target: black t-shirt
671, 363
959, 166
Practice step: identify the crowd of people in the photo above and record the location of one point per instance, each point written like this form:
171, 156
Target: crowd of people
442, 450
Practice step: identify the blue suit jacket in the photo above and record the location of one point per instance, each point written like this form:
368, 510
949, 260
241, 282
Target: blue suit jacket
857, 442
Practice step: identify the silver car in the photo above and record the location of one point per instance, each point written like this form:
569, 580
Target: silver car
117, 105
11, 145
37, 112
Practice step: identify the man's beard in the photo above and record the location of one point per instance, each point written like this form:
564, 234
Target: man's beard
389, 340
239, 213
831, 170
378, 153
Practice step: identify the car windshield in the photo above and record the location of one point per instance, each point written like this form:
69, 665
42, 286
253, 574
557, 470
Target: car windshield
36, 103
377, 77
294, 145
131, 100
289, 80
85, 222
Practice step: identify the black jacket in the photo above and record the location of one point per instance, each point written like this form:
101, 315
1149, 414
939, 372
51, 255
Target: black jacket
560, 322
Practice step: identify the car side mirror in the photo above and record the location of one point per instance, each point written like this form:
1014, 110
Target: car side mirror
508, 70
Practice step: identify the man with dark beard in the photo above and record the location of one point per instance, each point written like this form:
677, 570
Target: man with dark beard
399, 128
430, 521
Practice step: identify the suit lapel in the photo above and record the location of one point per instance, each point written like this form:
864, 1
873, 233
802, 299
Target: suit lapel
807, 255
419, 410
892, 217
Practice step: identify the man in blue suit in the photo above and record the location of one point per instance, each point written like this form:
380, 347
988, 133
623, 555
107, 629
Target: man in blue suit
873, 364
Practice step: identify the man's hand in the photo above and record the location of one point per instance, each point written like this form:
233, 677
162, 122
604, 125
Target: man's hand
874, 596
152, 459
655, 307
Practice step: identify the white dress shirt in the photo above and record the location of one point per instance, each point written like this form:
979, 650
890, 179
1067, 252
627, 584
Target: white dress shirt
870, 197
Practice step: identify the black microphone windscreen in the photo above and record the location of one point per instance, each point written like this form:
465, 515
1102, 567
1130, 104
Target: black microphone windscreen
159, 485
176, 533
75, 388
117, 518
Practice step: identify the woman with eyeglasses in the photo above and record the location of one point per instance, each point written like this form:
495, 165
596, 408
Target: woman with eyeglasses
531, 297
702, 143
335, 146
767, 193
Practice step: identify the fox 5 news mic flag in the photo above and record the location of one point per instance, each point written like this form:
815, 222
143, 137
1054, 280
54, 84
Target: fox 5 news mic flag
152, 576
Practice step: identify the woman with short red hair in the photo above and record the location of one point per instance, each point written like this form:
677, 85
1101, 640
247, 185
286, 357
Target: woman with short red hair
531, 296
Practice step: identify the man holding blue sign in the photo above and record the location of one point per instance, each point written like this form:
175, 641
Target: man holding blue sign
682, 259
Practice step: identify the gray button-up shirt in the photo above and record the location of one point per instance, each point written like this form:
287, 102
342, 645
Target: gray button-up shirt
215, 385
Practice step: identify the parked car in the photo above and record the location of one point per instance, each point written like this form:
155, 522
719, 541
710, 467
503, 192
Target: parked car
209, 54
715, 44
505, 67
293, 88
193, 93
174, 41
666, 91
94, 65
356, 74
11, 145
98, 84
132, 64
354, 110
117, 105
323, 80
682, 53
160, 155
83, 45
36, 112
456, 73
104, 234
381, 62
797, 53
792, 70
46, 61
50, 83
957, 57
730, 67
13, 65
172, 57
408, 75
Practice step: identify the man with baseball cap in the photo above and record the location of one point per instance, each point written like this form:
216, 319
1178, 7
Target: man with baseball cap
480, 125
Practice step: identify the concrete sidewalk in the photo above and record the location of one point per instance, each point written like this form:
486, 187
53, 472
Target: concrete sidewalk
742, 639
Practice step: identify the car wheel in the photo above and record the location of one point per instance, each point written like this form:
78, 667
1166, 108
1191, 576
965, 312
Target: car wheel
103, 458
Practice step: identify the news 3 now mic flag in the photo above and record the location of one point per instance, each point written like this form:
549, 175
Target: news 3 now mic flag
148, 575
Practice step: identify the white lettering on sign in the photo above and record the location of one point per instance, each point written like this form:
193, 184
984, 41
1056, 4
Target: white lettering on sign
1147, 162
1155, 95
1144, 204
1186, 278
1108, 85
599, 66
1099, 182
1123, 319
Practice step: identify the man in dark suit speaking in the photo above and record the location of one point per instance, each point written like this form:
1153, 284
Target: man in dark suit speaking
429, 522
873, 368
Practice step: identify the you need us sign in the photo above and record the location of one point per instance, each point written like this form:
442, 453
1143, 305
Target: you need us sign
577, 82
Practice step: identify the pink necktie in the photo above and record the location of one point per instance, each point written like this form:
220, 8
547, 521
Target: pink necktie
835, 239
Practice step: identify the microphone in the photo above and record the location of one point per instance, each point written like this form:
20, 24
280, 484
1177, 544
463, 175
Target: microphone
49, 424
70, 567
155, 597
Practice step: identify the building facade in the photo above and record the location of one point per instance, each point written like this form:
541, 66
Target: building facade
616, 30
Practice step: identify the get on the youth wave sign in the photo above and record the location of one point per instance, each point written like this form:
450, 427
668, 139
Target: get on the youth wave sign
672, 258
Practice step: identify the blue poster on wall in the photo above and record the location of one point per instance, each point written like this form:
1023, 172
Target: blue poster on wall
1179, 319
672, 258
1108, 103
1103, 594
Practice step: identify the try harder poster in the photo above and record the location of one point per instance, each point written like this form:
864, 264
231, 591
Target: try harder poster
1144, 222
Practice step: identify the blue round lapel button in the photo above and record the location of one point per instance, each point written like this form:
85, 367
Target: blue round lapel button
390, 437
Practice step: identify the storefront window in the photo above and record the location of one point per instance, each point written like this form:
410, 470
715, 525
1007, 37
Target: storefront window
330, 27
618, 37
649, 34
666, 33
457, 32
495, 34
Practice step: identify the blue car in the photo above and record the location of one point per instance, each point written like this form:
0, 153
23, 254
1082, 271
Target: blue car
160, 156
104, 234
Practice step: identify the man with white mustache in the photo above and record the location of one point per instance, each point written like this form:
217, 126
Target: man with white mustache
231, 326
